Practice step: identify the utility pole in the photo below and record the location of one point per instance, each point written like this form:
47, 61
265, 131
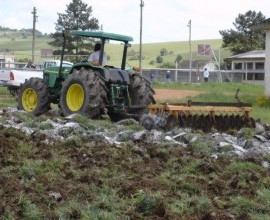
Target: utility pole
140, 55
34, 12
190, 54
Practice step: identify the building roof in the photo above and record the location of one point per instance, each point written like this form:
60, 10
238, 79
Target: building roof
251, 55
264, 25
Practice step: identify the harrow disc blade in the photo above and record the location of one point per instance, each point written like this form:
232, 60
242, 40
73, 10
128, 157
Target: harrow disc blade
171, 122
148, 122
202, 122
252, 123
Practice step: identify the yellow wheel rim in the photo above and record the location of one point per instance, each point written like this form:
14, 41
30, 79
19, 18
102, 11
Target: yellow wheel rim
29, 100
75, 97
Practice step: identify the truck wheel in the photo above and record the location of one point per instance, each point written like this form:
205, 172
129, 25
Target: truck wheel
83, 92
33, 96
141, 93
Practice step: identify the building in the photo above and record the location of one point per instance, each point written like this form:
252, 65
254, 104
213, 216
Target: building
7, 60
250, 64
265, 25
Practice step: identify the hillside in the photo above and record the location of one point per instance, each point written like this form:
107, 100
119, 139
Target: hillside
21, 45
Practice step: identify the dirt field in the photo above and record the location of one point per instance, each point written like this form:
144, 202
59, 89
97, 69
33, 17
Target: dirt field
174, 94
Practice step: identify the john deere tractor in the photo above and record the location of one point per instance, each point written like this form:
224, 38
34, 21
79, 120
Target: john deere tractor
87, 89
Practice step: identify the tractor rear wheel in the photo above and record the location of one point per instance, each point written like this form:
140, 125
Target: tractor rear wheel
33, 96
141, 93
83, 92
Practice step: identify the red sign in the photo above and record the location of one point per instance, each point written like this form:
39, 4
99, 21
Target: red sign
204, 49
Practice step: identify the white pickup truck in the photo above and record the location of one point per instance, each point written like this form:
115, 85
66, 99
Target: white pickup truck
13, 78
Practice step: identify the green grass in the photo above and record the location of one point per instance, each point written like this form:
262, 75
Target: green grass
23, 44
6, 99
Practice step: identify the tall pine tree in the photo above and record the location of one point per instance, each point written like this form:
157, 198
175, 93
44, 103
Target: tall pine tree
78, 16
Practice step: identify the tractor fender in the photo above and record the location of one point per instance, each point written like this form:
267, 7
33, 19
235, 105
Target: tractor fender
119, 76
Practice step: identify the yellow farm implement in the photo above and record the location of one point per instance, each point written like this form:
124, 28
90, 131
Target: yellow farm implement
199, 115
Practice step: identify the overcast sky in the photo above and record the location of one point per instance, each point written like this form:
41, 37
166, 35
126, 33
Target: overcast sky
163, 20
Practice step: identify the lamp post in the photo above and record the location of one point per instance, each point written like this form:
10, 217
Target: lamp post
140, 55
190, 54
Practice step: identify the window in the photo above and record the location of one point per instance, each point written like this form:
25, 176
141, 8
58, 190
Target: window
238, 66
249, 66
250, 76
259, 66
2, 63
259, 76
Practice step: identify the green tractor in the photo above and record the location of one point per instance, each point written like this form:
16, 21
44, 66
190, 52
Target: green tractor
87, 89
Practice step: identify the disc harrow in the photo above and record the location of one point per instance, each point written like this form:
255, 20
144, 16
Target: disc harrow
199, 115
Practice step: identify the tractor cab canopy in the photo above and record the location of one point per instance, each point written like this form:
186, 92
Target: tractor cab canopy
103, 36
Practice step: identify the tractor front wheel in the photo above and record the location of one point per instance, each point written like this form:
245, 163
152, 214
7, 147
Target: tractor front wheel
33, 96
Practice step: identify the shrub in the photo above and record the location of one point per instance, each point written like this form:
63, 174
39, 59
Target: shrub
163, 52
159, 59
167, 65
152, 62
263, 101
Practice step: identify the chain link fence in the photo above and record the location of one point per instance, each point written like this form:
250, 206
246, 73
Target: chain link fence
183, 75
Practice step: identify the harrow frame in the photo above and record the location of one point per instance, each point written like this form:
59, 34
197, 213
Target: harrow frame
175, 109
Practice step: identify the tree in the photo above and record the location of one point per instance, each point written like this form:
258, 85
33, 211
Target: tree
244, 39
163, 52
133, 55
159, 59
76, 17
178, 58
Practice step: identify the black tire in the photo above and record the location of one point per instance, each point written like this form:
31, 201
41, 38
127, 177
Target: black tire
141, 93
83, 92
33, 96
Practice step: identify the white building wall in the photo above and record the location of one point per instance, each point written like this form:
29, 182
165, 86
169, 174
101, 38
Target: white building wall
267, 65
7, 60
